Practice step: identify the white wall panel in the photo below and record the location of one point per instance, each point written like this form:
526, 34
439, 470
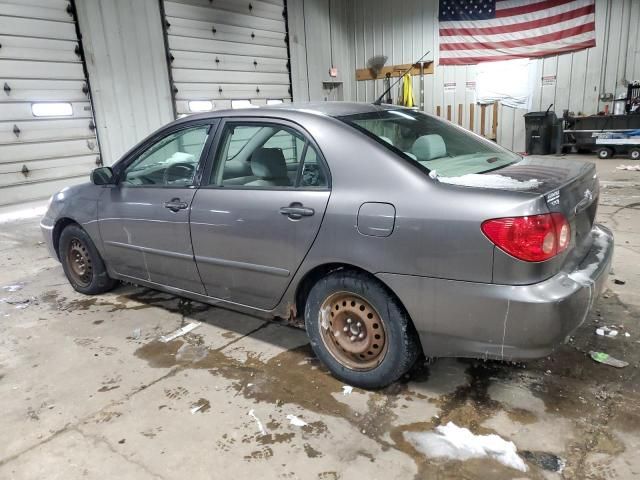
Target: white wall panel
126, 61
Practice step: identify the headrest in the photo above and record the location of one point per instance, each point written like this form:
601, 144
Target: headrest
268, 163
428, 147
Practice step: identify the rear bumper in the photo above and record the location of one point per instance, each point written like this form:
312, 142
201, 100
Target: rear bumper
467, 319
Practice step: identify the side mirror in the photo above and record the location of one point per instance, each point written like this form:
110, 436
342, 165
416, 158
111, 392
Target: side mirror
103, 176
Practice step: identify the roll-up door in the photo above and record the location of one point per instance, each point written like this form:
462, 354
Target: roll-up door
47, 133
227, 53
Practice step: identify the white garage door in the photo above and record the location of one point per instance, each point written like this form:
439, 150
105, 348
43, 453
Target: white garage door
227, 53
47, 134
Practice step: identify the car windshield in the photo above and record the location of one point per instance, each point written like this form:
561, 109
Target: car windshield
432, 143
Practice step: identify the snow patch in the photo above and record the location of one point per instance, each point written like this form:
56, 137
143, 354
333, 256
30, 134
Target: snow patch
451, 441
491, 181
261, 429
583, 276
346, 390
22, 214
296, 421
13, 288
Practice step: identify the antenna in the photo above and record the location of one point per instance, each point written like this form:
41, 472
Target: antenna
379, 100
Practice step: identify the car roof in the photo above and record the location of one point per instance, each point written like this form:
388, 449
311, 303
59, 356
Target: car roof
331, 109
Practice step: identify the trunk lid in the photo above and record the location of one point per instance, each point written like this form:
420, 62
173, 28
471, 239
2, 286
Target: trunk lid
570, 187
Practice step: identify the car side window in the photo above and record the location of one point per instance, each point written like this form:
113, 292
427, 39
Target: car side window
172, 161
313, 172
266, 156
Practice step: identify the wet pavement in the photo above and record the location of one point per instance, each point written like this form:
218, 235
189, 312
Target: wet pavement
89, 391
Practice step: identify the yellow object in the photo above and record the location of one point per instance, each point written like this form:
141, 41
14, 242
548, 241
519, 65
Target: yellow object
407, 91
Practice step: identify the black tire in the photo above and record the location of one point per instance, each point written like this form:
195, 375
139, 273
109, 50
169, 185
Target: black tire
76, 247
634, 154
401, 342
604, 153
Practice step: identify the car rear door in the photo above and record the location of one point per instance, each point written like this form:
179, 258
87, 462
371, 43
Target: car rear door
144, 218
258, 210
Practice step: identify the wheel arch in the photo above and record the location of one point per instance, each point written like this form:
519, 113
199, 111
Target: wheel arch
60, 225
315, 274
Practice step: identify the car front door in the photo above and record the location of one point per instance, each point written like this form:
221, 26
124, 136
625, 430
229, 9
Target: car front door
255, 221
144, 218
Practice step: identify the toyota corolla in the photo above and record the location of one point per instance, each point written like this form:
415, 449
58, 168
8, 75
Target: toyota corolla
392, 232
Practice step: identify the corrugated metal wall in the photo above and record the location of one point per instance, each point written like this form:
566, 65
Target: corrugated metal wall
126, 60
321, 36
405, 29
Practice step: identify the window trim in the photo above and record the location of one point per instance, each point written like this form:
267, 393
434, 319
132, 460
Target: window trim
132, 155
213, 164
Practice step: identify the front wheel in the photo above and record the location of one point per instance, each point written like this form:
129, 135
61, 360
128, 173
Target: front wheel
359, 330
82, 263
634, 154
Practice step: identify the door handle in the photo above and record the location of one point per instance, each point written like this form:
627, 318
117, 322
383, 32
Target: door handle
296, 211
175, 205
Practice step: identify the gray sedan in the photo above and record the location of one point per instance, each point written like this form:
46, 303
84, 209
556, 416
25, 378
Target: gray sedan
392, 232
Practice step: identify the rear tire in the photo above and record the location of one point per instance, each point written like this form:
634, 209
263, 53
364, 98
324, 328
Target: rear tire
81, 262
359, 330
604, 153
634, 154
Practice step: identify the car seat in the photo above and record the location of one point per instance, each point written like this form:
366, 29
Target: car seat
269, 165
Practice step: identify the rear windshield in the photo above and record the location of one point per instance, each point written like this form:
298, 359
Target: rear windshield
432, 143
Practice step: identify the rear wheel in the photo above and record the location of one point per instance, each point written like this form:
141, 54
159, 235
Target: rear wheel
605, 152
359, 330
634, 154
82, 263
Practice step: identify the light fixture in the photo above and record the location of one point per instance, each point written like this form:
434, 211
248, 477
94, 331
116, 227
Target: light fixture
51, 109
274, 101
200, 105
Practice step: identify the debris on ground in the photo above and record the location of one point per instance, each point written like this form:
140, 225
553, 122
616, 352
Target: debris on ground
296, 422
545, 460
607, 359
261, 429
617, 281
201, 405
451, 441
346, 390
137, 333
180, 332
629, 167
606, 332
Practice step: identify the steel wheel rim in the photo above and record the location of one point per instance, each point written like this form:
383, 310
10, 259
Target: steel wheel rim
352, 331
79, 262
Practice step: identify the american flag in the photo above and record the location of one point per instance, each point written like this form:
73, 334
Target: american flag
474, 31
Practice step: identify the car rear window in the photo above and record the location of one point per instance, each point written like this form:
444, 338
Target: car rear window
432, 143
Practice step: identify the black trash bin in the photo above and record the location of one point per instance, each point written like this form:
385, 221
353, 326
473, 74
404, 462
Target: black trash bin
539, 130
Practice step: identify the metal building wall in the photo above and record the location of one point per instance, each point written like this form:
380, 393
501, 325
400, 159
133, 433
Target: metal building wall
320, 36
126, 61
405, 29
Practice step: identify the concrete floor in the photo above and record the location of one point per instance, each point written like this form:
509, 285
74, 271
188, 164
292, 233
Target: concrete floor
87, 391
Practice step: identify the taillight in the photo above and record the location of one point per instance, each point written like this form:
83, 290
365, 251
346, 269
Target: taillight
534, 238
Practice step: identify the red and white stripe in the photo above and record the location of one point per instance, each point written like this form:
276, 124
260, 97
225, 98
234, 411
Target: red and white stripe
521, 29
